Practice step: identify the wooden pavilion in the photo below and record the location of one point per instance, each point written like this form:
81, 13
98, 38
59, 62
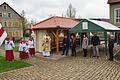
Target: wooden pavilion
56, 27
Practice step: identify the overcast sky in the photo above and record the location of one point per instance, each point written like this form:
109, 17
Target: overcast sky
42, 9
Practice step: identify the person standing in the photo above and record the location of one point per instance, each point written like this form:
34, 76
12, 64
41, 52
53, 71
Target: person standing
73, 45
85, 45
111, 46
23, 49
46, 50
9, 56
21, 54
65, 45
31, 46
46, 45
96, 42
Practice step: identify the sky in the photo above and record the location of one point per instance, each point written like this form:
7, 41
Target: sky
42, 9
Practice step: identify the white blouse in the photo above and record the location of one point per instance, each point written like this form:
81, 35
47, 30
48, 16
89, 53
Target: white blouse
31, 44
9, 45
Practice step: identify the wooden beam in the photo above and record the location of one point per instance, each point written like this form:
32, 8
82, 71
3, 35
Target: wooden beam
53, 33
57, 41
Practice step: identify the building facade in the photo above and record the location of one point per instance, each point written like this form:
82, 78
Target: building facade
114, 12
11, 20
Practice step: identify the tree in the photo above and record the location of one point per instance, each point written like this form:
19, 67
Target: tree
24, 22
71, 11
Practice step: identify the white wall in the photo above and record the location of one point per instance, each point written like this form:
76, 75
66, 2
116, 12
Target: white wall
39, 39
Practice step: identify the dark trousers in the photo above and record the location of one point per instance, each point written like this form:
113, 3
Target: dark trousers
73, 51
110, 53
85, 52
65, 49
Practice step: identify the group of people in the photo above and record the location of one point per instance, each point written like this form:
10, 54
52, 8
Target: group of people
26, 48
95, 41
71, 43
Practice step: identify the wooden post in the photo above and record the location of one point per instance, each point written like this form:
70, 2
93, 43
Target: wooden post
57, 41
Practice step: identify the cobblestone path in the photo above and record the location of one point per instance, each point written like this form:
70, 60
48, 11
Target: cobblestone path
68, 68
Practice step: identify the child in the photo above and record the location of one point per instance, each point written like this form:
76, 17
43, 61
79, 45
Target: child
31, 46
9, 49
21, 55
23, 48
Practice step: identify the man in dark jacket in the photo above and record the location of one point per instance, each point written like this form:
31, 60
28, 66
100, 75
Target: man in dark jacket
73, 45
96, 42
111, 46
65, 45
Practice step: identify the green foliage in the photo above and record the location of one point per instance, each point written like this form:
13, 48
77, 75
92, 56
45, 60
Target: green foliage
24, 22
16, 49
117, 56
16, 64
27, 34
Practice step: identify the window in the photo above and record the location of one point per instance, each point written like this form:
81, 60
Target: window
4, 14
0, 14
10, 33
5, 24
9, 15
5, 7
17, 33
117, 16
9, 24
16, 24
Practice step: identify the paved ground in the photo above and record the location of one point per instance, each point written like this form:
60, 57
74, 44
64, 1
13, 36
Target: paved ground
67, 68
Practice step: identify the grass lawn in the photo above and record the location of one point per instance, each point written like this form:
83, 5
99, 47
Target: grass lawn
16, 64
117, 56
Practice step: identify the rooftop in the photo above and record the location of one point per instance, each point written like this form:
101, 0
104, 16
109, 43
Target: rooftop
56, 22
113, 1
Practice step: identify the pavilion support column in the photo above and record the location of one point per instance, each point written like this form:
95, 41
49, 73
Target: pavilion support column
105, 36
57, 41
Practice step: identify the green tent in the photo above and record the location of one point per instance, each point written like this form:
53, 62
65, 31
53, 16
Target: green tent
88, 25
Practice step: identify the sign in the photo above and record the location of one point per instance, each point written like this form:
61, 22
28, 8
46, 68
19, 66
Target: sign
84, 25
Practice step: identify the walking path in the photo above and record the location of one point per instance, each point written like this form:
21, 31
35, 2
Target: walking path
67, 68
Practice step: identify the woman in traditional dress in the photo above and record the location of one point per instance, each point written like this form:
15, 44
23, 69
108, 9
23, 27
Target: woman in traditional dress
31, 46
9, 49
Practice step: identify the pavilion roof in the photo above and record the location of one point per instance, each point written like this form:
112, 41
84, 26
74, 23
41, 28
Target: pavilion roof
56, 22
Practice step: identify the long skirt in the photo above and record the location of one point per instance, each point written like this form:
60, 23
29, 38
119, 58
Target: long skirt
26, 55
32, 51
9, 55
23, 55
